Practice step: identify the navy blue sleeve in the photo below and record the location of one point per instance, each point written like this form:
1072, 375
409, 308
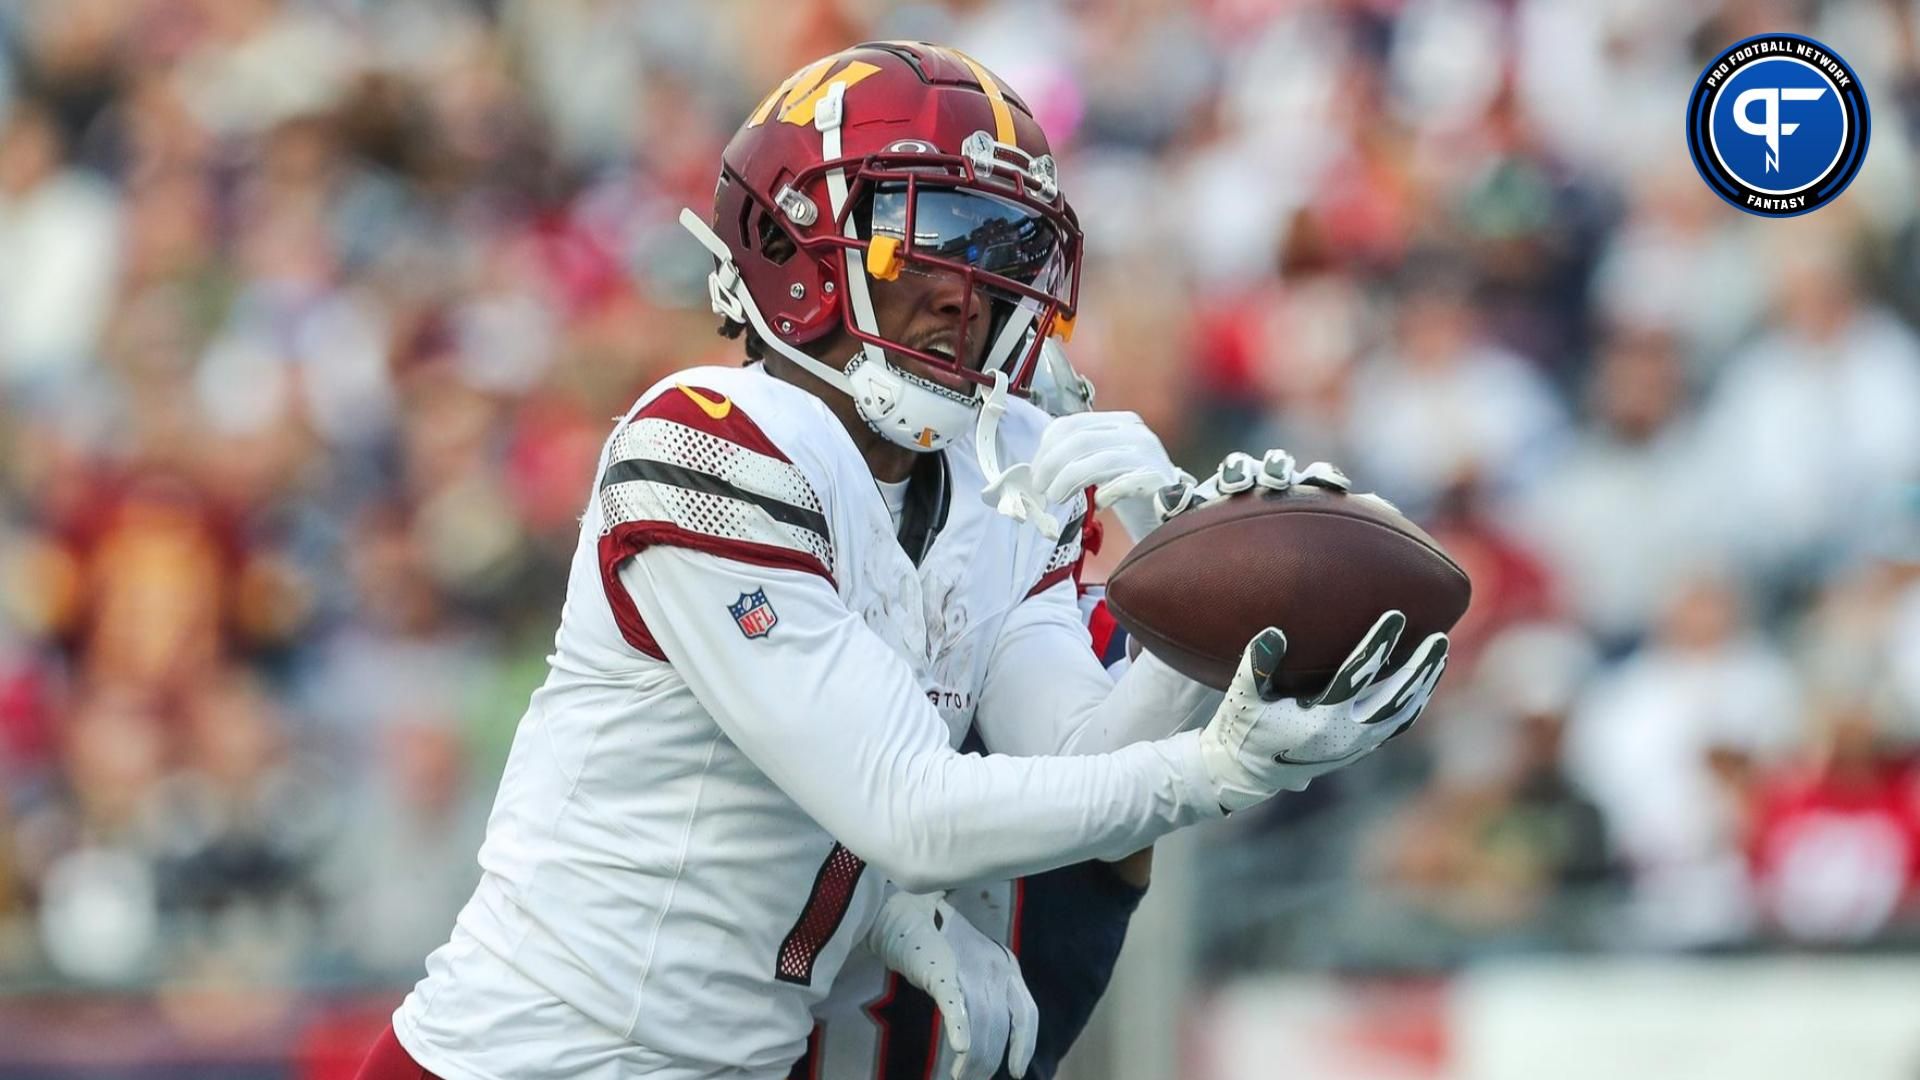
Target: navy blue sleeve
1072, 923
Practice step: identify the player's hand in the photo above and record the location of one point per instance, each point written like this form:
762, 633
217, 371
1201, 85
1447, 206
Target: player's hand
1116, 454
1257, 744
984, 1003
1238, 472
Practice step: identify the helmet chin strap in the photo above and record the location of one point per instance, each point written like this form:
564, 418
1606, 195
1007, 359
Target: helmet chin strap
893, 403
1010, 491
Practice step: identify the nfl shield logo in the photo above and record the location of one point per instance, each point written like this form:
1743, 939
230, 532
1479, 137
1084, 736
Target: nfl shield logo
753, 613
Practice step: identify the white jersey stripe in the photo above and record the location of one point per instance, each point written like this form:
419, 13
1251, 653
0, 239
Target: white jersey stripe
654, 438
709, 513
662, 470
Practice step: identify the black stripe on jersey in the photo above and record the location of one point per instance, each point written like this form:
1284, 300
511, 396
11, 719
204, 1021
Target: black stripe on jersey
927, 503
660, 472
1069, 536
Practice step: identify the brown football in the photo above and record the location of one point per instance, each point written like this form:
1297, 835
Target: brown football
1319, 565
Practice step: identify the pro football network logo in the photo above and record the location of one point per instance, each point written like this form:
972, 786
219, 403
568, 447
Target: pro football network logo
1778, 125
753, 613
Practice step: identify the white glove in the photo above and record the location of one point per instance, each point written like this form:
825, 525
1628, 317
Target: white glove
1238, 472
984, 1003
1117, 455
1257, 745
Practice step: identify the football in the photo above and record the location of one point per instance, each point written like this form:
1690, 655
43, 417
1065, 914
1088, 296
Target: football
1318, 564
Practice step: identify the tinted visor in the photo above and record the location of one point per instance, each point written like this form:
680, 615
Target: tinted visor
966, 226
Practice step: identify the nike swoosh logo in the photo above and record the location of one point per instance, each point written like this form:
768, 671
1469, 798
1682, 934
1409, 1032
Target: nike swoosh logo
716, 410
1281, 758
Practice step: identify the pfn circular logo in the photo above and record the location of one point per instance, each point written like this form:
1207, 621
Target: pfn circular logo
1778, 125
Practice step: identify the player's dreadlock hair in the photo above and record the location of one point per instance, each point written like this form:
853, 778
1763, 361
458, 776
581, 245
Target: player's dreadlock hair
756, 349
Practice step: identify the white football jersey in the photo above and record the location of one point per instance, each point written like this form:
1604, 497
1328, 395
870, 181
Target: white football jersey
756, 689
866, 1027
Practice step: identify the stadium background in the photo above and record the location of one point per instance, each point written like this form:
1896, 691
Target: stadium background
313, 314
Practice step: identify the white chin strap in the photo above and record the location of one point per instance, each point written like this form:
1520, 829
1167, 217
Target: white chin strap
902, 407
1010, 491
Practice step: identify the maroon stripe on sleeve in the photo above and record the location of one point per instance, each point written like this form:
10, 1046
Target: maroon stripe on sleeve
626, 540
825, 908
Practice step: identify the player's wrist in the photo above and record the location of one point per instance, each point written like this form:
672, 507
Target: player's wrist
1137, 515
1200, 792
1236, 785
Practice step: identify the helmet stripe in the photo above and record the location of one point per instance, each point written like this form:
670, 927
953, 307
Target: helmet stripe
795, 85
1002, 115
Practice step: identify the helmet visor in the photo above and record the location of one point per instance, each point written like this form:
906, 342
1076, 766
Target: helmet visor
971, 227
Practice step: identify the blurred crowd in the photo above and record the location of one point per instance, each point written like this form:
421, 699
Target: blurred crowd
313, 314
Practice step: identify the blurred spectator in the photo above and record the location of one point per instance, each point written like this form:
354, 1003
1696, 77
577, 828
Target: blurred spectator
1816, 427
1289, 346
1511, 584
91, 844
1503, 842
242, 831
1670, 743
16, 930
29, 698
402, 656
258, 62
59, 228
1677, 267
1836, 838
1898, 642
1443, 403
404, 861
1633, 461
158, 571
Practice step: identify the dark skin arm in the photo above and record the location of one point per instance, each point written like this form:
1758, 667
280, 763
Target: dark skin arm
1136, 869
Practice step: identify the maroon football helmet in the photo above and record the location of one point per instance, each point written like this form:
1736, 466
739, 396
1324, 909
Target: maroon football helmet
895, 156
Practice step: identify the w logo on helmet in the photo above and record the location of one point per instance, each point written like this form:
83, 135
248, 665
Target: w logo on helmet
805, 89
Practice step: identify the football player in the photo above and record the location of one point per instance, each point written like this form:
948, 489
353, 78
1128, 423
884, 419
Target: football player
1066, 925
789, 605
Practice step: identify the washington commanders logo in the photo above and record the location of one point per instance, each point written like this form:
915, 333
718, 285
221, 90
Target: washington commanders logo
1778, 125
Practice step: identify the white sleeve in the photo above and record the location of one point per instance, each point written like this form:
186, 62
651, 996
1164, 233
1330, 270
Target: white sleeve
1046, 692
834, 718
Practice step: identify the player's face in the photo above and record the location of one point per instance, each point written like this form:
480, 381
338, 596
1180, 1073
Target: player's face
929, 310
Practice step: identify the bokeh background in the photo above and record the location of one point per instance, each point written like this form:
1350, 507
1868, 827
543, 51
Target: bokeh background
313, 314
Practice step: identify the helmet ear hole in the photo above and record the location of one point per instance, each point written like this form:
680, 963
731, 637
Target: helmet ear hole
775, 245
722, 192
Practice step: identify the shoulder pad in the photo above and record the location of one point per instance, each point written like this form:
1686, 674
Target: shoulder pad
691, 468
